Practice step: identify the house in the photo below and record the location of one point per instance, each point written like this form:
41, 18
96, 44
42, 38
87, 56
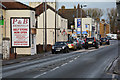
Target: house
16, 9
89, 27
104, 29
52, 19
35, 4
2, 22
70, 14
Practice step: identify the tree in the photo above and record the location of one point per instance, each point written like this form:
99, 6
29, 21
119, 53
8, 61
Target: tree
112, 17
94, 13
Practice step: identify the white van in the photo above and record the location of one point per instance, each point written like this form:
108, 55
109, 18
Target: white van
113, 36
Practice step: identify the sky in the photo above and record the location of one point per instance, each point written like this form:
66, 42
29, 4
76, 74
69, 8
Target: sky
102, 4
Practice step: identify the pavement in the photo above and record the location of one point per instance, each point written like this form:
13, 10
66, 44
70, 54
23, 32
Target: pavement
24, 59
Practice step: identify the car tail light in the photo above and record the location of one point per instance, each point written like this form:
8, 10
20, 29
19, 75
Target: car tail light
85, 39
72, 45
82, 43
67, 43
107, 40
94, 40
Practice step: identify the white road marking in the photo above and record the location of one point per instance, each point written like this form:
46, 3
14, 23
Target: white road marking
71, 61
40, 75
54, 68
75, 58
64, 64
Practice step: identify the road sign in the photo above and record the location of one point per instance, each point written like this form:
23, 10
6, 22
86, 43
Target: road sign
20, 32
78, 23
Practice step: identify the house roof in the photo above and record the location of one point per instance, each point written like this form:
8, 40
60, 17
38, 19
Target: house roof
14, 5
2, 6
40, 9
71, 13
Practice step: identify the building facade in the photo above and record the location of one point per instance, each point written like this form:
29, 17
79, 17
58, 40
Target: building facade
17, 9
104, 29
118, 13
2, 22
72, 13
51, 22
89, 27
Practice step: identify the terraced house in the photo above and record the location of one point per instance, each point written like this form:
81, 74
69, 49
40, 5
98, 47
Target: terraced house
18, 10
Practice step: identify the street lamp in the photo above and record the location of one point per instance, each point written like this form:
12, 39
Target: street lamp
81, 17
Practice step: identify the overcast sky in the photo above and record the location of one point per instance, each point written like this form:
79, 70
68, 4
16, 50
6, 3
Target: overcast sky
102, 4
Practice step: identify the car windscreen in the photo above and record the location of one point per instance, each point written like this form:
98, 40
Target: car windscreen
69, 42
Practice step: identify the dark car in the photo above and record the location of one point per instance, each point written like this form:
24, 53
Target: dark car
104, 41
60, 47
91, 42
109, 38
78, 44
83, 43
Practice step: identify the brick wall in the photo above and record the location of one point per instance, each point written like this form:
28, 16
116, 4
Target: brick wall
102, 30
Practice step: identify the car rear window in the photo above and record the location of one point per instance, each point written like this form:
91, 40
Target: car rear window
89, 39
103, 39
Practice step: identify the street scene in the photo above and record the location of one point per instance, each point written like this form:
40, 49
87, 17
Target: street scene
59, 40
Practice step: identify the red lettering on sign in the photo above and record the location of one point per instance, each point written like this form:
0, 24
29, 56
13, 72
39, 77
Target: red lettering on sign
25, 21
14, 20
19, 22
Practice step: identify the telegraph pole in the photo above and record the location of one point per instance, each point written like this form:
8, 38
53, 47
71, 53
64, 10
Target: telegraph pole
45, 27
55, 20
81, 22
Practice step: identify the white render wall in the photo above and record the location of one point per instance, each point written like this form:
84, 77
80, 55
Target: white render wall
61, 23
20, 13
84, 22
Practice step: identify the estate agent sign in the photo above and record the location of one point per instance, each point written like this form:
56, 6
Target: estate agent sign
20, 32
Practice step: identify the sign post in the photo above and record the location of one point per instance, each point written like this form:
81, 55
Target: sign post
20, 32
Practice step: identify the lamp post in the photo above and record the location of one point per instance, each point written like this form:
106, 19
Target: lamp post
81, 17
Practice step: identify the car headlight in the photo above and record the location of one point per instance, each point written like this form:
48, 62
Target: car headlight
63, 47
53, 47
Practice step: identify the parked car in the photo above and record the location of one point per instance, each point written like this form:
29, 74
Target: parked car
109, 38
78, 43
81, 43
91, 42
72, 45
104, 41
60, 47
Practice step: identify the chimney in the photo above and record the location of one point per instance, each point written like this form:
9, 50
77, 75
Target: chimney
63, 7
74, 7
78, 7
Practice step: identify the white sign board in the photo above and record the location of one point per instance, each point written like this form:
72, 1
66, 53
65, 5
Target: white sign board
20, 32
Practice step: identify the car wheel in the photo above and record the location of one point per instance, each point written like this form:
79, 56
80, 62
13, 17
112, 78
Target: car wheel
67, 50
100, 44
108, 44
86, 47
53, 52
97, 47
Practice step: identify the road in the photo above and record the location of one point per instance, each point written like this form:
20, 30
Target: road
91, 63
